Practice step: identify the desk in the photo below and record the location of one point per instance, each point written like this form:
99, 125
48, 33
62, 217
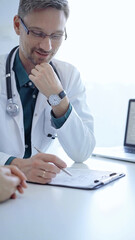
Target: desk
55, 213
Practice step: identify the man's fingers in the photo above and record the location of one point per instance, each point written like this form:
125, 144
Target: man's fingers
52, 159
50, 167
34, 72
46, 174
39, 67
43, 173
41, 180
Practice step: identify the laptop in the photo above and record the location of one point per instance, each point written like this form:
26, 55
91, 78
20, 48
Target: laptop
127, 151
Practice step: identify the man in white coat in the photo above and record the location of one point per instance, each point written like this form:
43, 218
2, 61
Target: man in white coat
49, 94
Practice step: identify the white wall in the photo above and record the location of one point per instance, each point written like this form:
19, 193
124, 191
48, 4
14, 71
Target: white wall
8, 38
101, 37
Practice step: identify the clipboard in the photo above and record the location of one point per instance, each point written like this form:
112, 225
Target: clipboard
86, 179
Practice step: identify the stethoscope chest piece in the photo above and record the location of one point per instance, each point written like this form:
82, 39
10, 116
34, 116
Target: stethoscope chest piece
12, 108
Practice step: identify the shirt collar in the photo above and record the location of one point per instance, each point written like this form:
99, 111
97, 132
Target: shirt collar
20, 72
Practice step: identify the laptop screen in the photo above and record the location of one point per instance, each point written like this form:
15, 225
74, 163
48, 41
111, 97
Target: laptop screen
130, 125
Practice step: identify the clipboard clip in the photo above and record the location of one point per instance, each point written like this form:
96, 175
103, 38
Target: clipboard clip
107, 179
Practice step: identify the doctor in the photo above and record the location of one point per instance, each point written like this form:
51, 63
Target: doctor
49, 95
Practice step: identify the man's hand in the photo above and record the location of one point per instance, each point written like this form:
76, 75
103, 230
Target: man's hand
40, 168
45, 79
11, 179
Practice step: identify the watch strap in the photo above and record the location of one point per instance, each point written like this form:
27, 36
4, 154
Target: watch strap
62, 94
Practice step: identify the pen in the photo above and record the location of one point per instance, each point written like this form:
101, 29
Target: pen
64, 170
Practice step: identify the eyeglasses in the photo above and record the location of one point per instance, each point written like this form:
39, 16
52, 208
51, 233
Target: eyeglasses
57, 37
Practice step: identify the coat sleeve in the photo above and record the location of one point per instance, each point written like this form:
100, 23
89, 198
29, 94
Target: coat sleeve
77, 134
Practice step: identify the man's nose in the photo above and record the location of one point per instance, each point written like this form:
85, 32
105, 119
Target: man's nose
46, 44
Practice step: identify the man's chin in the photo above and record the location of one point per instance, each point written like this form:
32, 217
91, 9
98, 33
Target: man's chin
38, 60
43, 60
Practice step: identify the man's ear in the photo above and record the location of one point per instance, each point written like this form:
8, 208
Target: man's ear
17, 24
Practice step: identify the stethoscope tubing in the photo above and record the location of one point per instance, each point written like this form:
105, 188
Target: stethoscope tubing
8, 74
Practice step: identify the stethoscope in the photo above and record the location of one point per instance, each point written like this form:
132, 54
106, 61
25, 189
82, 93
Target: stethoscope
12, 108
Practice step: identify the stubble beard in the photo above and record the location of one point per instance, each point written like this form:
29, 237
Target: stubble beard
39, 60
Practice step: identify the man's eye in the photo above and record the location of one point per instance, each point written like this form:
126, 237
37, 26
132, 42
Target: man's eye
37, 34
56, 36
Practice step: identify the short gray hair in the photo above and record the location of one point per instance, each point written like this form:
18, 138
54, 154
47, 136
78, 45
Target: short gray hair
27, 6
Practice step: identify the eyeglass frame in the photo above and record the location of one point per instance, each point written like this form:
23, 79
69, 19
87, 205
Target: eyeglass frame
42, 34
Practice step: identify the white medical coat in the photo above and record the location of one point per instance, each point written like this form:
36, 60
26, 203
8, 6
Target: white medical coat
75, 136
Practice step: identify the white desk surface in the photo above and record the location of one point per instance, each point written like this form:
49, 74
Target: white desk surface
55, 213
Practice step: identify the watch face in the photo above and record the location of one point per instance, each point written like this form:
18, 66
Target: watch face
54, 100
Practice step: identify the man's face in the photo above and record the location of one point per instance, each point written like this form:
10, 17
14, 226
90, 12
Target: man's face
34, 49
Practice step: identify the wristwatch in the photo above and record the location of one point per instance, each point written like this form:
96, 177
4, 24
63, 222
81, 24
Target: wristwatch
55, 99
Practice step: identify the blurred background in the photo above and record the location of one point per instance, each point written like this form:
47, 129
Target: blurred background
101, 44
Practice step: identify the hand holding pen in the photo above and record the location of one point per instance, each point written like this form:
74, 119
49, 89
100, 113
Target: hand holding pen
41, 167
64, 170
